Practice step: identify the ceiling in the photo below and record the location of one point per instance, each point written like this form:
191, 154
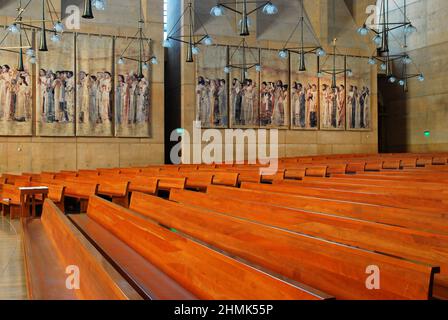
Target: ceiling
338, 13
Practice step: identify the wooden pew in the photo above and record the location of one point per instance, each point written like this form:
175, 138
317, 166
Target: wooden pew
148, 280
114, 187
295, 256
387, 215
88, 173
360, 197
408, 163
77, 190
391, 165
66, 174
11, 201
355, 167
226, 179
33, 176
300, 173
108, 172
168, 183
15, 179
440, 187
51, 246
117, 190
205, 273
398, 191
401, 242
401, 177
130, 171
149, 185
150, 171
200, 180
56, 193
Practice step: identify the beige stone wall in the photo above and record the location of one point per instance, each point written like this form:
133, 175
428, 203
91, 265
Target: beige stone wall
425, 105
53, 154
292, 142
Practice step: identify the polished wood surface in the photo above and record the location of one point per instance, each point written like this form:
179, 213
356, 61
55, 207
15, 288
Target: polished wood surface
150, 282
270, 248
50, 246
202, 271
313, 227
428, 205
405, 243
418, 220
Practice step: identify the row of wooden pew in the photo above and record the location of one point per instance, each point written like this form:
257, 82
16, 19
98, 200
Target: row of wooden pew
314, 230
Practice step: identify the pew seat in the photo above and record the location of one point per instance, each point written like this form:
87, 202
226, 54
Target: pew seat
52, 246
150, 282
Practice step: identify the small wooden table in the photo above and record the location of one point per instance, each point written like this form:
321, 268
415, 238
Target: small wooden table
28, 195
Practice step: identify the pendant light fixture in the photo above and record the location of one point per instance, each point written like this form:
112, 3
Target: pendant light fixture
303, 49
88, 10
144, 59
267, 8
334, 71
190, 39
24, 45
381, 31
249, 60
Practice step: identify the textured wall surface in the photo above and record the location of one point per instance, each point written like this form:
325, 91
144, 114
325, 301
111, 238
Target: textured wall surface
425, 106
52, 154
346, 15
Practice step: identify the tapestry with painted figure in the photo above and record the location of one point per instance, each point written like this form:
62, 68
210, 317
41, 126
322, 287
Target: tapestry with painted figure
94, 86
212, 87
132, 92
359, 113
274, 92
244, 87
55, 103
16, 88
304, 93
332, 93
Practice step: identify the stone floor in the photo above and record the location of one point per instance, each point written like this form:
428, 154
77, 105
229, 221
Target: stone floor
12, 274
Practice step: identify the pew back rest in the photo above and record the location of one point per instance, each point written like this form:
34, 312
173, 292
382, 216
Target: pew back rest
392, 165
439, 161
78, 189
113, 187
47, 176
10, 194
168, 183
408, 162
196, 179
143, 184
316, 171
226, 179
337, 168
154, 171
15, 179
56, 193
354, 167
130, 171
